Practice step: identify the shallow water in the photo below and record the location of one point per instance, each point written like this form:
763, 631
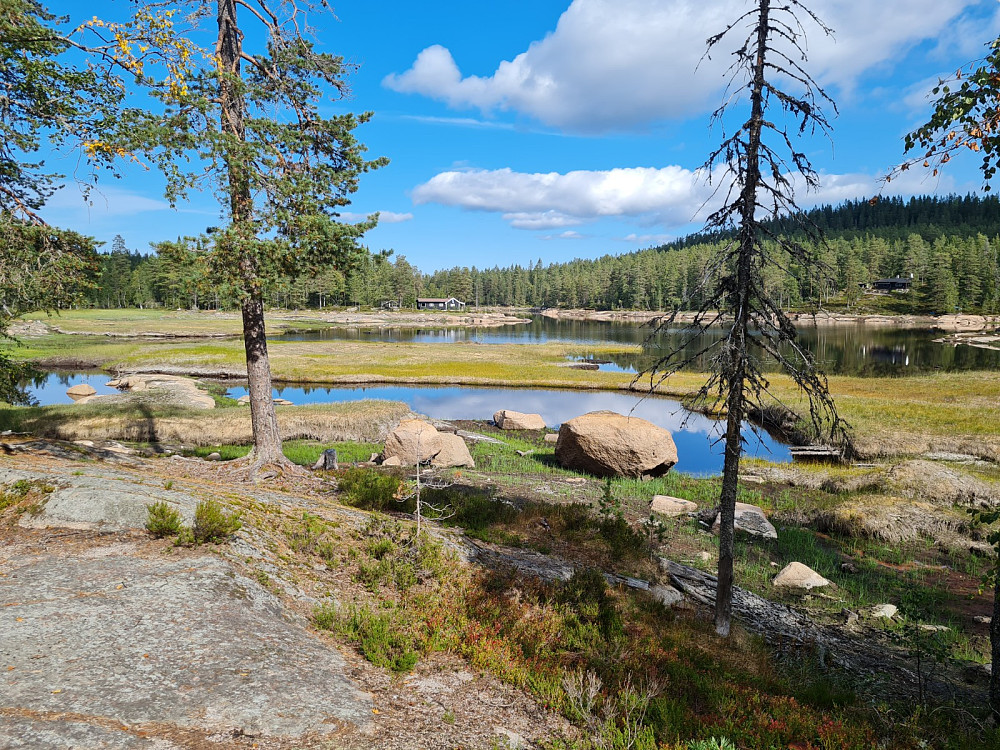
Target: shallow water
697, 437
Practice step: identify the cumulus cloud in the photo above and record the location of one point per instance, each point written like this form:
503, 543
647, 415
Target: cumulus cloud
669, 197
622, 64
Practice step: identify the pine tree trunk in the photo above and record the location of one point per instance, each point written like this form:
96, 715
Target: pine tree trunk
264, 421
266, 438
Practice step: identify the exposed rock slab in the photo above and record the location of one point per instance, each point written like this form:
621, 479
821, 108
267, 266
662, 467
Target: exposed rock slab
608, 444
92, 502
140, 640
506, 419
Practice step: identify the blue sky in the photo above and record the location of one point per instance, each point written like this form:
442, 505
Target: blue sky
520, 130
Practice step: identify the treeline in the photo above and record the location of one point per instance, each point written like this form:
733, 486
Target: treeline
949, 247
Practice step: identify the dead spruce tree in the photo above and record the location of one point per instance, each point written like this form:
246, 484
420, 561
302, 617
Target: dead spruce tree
755, 171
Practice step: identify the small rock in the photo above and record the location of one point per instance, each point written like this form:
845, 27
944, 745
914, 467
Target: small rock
282, 402
506, 419
671, 506
977, 674
80, 391
84, 443
392, 461
852, 618
795, 575
213, 457
244, 400
552, 437
887, 611
848, 567
704, 556
524, 453
983, 619
668, 596
576, 480
512, 740
934, 628
327, 461
751, 520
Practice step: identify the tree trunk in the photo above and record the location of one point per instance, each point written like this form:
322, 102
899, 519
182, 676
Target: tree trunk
995, 652
264, 421
736, 354
266, 438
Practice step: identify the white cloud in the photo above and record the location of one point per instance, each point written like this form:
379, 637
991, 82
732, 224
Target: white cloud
101, 202
384, 217
568, 235
671, 197
622, 64
645, 239
461, 122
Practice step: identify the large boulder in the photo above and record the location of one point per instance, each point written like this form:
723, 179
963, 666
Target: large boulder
416, 441
608, 444
506, 419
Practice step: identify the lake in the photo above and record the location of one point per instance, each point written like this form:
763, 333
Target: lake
697, 437
841, 350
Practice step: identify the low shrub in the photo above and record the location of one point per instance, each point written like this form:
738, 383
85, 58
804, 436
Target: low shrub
373, 490
162, 520
213, 524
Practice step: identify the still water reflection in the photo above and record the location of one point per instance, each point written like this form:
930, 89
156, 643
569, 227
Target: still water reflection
696, 436
846, 349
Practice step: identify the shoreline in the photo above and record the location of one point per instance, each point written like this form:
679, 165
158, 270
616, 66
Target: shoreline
955, 322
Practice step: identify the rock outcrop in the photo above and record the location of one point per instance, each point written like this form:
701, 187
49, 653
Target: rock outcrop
506, 419
608, 444
415, 441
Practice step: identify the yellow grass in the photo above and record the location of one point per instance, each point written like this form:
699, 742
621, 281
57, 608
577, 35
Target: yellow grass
358, 421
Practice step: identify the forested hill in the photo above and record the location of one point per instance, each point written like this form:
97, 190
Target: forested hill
948, 246
891, 218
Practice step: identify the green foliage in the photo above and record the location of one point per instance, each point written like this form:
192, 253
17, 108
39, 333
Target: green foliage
17, 491
214, 524
711, 744
162, 519
378, 635
45, 98
865, 242
963, 119
372, 490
